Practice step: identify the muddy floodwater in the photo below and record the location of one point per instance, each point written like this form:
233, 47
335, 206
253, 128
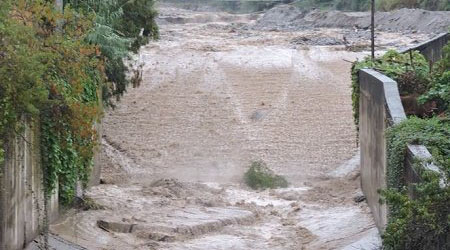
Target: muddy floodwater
217, 95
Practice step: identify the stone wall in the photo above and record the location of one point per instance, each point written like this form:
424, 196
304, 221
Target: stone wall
23, 210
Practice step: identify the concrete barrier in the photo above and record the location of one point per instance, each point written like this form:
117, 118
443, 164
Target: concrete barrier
380, 107
22, 207
432, 49
24, 212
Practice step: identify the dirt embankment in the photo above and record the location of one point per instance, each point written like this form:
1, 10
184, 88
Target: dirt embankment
290, 18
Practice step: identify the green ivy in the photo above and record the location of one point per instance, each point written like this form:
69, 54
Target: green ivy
57, 73
423, 222
117, 32
434, 133
51, 76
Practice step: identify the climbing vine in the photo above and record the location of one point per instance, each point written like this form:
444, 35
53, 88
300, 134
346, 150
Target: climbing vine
48, 73
54, 70
422, 222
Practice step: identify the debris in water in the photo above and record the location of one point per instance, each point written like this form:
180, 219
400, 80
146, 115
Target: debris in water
259, 176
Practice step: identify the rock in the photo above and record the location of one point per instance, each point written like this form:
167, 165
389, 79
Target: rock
116, 226
359, 198
257, 115
161, 237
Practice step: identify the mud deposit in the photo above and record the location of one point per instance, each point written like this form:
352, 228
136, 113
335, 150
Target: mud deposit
216, 96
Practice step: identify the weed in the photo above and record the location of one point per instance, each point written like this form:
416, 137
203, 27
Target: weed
259, 176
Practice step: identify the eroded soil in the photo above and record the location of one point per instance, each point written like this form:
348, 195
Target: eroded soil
215, 96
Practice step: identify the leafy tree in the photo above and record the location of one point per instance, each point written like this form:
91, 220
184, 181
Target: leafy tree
121, 27
50, 75
53, 67
138, 15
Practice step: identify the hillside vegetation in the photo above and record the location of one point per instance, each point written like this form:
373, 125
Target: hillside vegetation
422, 222
56, 69
382, 5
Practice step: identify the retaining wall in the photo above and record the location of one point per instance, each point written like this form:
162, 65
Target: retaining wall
380, 107
23, 210
432, 49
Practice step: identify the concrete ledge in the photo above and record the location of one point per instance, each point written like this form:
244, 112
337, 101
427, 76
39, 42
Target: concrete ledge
413, 153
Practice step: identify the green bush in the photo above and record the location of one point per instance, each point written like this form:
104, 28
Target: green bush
386, 5
439, 90
423, 222
52, 73
411, 71
259, 176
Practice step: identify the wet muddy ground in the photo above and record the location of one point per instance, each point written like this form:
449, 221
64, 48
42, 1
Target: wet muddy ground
217, 95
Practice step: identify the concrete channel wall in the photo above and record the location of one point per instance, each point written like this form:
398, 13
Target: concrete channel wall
23, 210
380, 107
432, 49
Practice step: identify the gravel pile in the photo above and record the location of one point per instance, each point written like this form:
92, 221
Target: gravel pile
290, 18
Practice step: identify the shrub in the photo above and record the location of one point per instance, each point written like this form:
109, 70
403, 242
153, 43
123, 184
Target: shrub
411, 71
52, 73
439, 89
386, 5
259, 176
423, 222
50, 78
383, 5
